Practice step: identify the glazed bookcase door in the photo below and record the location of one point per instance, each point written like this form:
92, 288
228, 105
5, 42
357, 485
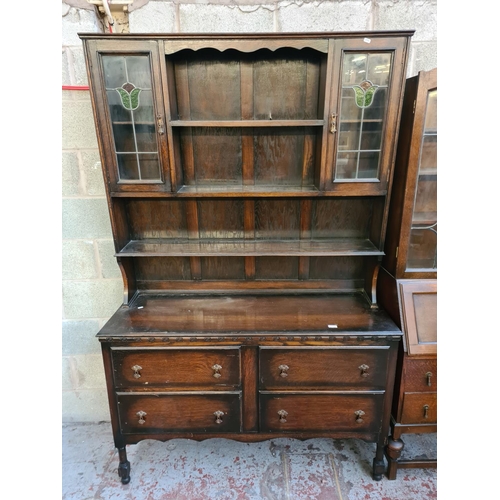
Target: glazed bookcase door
422, 246
364, 112
127, 82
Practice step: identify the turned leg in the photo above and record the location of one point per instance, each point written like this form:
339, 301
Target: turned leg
393, 452
378, 463
124, 466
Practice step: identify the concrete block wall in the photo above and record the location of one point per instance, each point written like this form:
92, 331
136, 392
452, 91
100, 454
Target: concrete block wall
92, 286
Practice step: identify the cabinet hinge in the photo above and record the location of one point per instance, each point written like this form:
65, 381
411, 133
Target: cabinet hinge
397, 250
414, 105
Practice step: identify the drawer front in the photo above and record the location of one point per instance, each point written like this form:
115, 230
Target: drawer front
322, 368
177, 368
419, 408
420, 375
146, 413
321, 412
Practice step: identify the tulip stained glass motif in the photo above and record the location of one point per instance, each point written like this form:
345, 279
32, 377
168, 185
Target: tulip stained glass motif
129, 95
364, 93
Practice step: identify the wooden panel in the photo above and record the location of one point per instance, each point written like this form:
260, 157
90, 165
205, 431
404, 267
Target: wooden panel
321, 412
341, 217
208, 73
321, 268
282, 88
180, 412
177, 368
221, 268
162, 268
418, 304
277, 219
325, 368
280, 155
276, 268
416, 376
414, 411
216, 153
220, 219
156, 219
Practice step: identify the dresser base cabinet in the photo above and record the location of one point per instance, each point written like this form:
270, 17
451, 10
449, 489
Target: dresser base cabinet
259, 379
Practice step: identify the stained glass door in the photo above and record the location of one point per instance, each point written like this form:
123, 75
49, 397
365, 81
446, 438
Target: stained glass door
130, 102
131, 110
366, 74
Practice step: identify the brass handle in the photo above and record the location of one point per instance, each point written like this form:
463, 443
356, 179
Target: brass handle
136, 369
218, 416
428, 375
364, 369
161, 128
141, 414
283, 370
283, 414
359, 414
426, 411
217, 369
333, 123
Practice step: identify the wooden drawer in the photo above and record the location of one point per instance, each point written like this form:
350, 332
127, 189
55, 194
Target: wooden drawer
321, 412
321, 368
414, 408
179, 412
213, 369
420, 375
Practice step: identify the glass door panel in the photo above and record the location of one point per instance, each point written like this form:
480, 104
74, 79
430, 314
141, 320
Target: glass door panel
363, 106
422, 252
129, 92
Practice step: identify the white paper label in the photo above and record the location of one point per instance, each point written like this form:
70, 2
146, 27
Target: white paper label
366, 40
332, 326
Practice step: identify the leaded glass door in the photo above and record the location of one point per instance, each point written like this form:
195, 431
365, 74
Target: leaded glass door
363, 113
133, 113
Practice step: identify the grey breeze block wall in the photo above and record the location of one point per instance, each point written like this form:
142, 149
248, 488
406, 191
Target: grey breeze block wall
92, 286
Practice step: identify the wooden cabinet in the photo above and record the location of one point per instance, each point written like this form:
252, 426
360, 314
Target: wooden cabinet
407, 283
248, 181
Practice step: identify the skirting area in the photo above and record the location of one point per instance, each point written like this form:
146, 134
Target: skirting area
278, 469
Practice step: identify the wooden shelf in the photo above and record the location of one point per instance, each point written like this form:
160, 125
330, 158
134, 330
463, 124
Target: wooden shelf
247, 123
248, 190
240, 247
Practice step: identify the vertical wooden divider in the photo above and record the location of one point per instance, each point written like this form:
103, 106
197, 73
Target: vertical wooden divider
193, 233
249, 226
250, 384
246, 96
184, 112
308, 155
305, 233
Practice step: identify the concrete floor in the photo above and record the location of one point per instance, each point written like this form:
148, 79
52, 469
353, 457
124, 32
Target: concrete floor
220, 469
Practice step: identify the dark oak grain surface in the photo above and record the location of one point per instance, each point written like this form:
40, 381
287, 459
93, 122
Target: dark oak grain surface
249, 313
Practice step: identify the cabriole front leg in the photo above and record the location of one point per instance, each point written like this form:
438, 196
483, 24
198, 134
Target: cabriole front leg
124, 466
